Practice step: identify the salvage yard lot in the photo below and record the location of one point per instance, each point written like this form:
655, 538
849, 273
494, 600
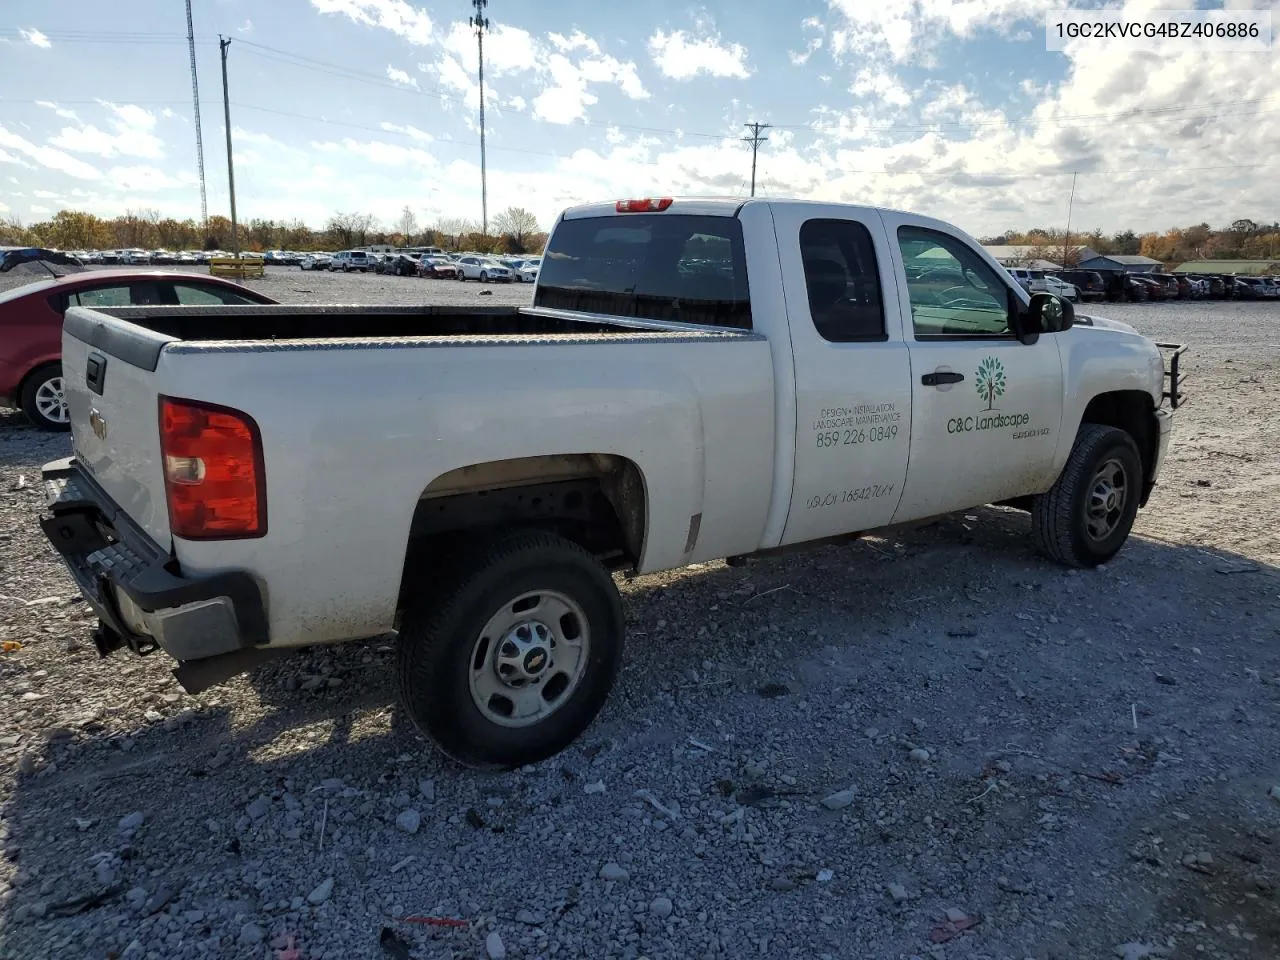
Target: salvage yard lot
816, 755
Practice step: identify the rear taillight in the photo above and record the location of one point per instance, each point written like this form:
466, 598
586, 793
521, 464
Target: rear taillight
214, 477
646, 205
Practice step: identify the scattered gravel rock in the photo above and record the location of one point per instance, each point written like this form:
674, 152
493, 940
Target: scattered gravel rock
409, 820
661, 907
898, 892
259, 807
321, 893
131, 822
494, 947
839, 800
919, 754
955, 915
613, 872
855, 637
251, 934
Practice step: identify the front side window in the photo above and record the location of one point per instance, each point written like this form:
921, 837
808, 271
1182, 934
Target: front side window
842, 280
953, 292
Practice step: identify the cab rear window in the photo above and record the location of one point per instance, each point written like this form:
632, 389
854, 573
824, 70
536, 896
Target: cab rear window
659, 266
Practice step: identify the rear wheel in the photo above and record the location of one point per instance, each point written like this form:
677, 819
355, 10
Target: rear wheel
509, 659
1086, 516
44, 399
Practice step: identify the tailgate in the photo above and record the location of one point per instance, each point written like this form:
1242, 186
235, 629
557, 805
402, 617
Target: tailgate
108, 368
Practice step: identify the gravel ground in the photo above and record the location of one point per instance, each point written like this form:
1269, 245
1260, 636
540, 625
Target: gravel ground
929, 745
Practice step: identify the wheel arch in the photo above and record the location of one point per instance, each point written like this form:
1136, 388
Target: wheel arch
1132, 411
597, 500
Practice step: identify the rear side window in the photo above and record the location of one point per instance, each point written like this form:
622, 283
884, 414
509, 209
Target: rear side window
656, 266
842, 280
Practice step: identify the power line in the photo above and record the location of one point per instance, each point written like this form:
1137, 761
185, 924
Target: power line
755, 140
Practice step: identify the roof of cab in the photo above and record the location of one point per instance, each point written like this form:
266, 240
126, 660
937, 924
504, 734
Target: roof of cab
695, 206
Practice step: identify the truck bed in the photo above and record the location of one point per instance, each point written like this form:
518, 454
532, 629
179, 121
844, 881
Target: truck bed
353, 321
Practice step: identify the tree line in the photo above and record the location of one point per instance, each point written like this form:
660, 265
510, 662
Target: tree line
513, 231
1241, 240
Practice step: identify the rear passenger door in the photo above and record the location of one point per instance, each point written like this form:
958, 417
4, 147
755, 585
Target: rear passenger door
852, 370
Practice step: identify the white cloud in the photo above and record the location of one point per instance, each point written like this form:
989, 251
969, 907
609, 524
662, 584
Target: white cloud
401, 18
34, 37
131, 134
44, 194
812, 45
902, 30
564, 94
248, 26
506, 49
884, 86
409, 131
7, 157
144, 178
39, 209
60, 111
48, 156
397, 75
681, 56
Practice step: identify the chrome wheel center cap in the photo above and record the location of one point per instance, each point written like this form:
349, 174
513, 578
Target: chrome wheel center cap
524, 654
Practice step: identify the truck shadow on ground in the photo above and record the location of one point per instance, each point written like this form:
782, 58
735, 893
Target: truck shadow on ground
955, 633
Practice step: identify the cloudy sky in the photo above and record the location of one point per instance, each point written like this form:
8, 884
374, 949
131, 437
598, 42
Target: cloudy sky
948, 107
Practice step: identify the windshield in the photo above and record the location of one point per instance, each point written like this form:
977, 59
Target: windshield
658, 266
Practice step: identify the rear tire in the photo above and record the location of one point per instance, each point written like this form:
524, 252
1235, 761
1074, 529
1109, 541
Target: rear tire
1088, 513
472, 640
43, 399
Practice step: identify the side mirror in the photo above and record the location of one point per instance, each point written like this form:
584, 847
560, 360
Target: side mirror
1047, 313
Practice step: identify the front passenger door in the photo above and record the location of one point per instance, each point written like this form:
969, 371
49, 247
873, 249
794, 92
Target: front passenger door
986, 408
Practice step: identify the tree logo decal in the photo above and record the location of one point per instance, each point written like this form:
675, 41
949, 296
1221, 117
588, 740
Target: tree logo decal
990, 380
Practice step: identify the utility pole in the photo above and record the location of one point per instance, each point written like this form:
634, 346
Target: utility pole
231, 170
480, 24
1066, 240
195, 109
755, 140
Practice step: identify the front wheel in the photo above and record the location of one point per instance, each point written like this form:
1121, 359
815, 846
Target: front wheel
484, 277
510, 659
1086, 516
44, 399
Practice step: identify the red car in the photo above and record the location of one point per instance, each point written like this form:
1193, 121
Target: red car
31, 325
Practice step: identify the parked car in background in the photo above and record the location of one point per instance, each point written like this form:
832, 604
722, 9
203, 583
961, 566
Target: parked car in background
348, 260
1243, 289
1155, 289
1088, 283
439, 268
1269, 287
399, 264
485, 269
31, 323
1059, 287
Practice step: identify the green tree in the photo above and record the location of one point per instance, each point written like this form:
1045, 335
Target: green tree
990, 380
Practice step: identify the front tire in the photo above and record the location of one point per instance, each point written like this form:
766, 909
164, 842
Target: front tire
1087, 515
512, 655
43, 399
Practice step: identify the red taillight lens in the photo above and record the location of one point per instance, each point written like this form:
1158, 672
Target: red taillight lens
646, 205
214, 478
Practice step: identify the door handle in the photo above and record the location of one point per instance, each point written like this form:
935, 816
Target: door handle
939, 377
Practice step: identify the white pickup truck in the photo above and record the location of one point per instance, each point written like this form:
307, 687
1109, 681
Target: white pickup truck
696, 379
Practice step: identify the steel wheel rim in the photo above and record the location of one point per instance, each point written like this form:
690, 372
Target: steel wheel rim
51, 401
1108, 496
529, 658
